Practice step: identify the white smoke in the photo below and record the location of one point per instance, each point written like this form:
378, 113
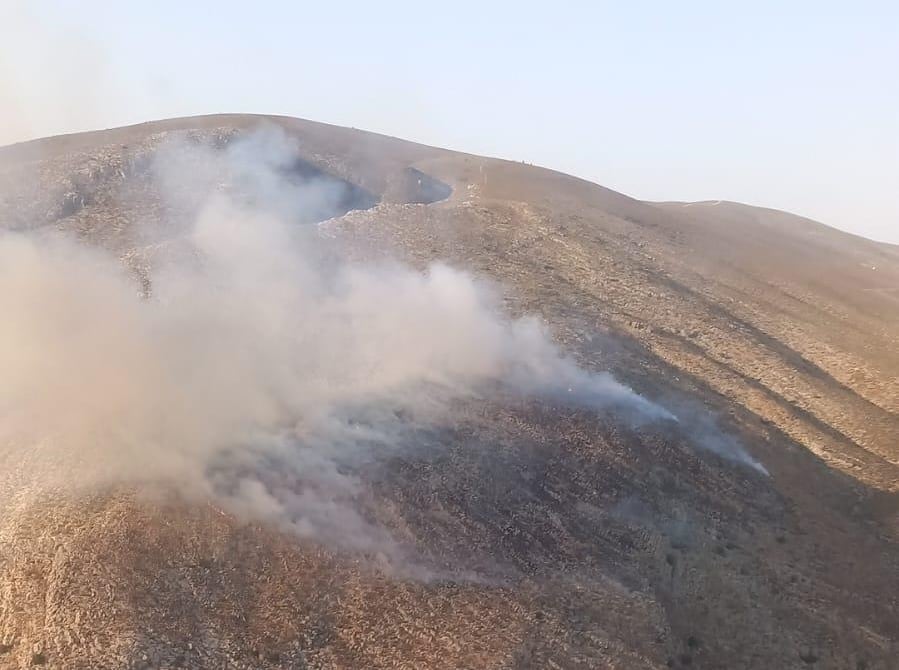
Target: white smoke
258, 366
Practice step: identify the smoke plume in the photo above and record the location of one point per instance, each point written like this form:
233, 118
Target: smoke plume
258, 364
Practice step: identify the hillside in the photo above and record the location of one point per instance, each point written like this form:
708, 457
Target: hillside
758, 531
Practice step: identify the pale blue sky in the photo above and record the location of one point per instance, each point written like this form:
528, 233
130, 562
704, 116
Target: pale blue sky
793, 105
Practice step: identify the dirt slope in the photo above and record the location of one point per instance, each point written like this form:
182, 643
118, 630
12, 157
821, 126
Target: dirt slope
582, 543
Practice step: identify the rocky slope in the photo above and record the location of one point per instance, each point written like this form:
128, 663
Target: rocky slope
548, 536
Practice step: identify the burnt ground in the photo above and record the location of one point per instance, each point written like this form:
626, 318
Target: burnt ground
545, 536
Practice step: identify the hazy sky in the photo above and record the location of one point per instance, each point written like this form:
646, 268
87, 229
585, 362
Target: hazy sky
793, 105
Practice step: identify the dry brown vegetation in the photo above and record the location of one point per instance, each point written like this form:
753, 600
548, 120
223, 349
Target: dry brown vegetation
553, 537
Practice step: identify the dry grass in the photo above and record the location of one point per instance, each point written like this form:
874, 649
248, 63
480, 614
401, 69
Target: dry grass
555, 538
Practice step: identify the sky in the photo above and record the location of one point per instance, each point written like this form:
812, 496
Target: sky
791, 104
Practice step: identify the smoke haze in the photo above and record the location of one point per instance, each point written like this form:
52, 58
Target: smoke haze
249, 364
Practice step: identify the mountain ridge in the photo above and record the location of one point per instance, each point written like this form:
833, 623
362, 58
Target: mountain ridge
32, 147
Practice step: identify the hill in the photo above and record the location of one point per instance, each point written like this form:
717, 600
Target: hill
545, 516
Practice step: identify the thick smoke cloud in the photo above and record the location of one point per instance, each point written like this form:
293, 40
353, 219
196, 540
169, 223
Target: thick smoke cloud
258, 365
